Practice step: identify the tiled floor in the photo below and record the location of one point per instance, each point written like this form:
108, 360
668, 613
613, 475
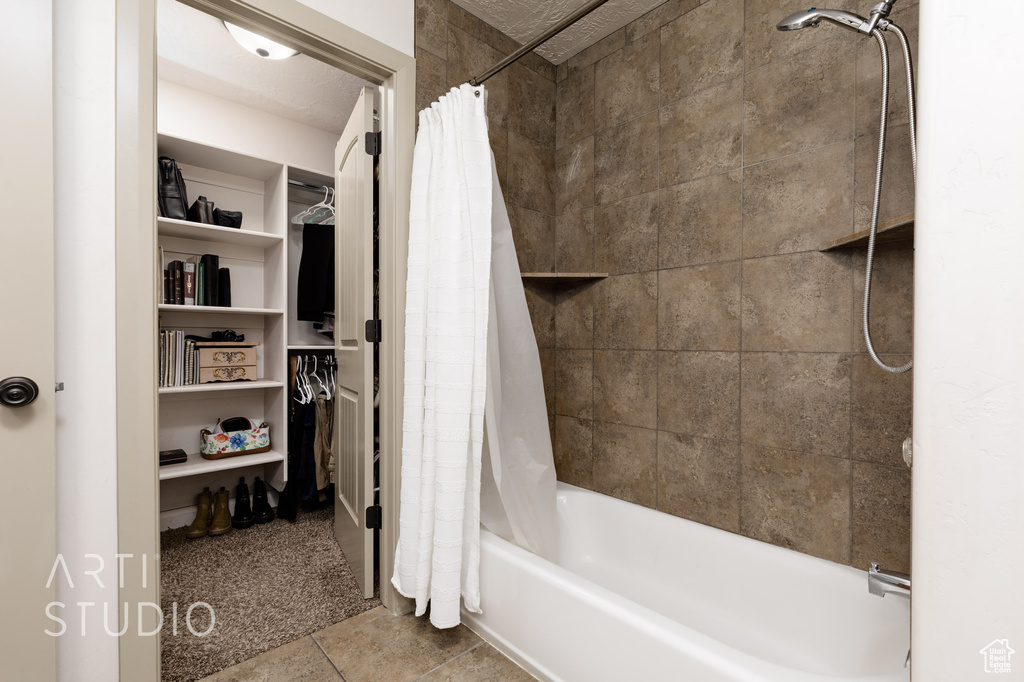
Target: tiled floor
378, 646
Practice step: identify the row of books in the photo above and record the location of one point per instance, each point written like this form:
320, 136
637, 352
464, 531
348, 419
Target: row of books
198, 280
179, 359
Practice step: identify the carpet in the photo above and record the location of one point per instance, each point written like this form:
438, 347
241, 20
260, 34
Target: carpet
267, 585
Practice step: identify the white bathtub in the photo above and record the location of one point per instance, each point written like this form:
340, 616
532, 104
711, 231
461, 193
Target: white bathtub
642, 595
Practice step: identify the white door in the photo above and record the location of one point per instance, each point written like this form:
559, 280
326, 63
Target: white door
27, 451
353, 402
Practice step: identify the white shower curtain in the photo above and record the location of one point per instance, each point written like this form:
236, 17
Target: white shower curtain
463, 295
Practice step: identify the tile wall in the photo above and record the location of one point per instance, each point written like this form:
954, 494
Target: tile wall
702, 158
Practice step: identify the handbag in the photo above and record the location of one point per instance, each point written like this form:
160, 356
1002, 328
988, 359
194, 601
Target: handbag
172, 200
234, 436
201, 211
227, 218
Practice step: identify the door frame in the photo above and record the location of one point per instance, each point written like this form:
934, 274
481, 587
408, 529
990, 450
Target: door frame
302, 28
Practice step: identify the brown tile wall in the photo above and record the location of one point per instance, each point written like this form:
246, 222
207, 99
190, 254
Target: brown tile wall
701, 158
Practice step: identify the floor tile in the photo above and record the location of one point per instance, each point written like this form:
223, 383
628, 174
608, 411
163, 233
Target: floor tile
377, 645
482, 664
298, 660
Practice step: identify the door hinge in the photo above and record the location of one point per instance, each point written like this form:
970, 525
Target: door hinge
373, 333
373, 516
373, 144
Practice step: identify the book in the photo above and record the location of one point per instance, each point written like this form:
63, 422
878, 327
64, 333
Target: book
210, 278
200, 284
179, 294
189, 283
168, 296
224, 287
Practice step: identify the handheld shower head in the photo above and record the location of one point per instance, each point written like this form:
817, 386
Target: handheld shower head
814, 16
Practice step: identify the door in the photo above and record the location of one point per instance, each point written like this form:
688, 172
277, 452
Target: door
353, 402
27, 450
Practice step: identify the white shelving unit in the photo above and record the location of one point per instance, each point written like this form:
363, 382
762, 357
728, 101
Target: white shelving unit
263, 257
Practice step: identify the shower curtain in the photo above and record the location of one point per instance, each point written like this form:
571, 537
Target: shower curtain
476, 447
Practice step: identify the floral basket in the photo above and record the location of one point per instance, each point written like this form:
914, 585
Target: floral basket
233, 443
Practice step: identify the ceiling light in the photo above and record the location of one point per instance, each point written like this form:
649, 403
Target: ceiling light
258, 45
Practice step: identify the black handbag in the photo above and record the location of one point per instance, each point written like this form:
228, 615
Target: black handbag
227, 218
201, 211
172, 200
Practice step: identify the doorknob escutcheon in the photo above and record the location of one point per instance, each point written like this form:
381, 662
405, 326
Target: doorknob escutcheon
18, 391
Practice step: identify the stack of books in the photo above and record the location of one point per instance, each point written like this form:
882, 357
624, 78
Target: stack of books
179, 359
197, 280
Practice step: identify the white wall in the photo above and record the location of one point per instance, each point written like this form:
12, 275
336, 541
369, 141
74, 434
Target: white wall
968, 498
197, 116
389, 21
84, 98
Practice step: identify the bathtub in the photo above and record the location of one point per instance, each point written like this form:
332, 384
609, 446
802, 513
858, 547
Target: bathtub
643, 595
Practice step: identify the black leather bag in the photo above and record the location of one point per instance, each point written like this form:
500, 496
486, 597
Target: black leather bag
227, 218
173, 202
201, 211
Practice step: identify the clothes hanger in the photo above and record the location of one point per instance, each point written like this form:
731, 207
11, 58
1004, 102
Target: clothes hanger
322, 213
303, 217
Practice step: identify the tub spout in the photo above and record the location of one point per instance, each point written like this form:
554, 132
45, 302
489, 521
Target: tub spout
882, 582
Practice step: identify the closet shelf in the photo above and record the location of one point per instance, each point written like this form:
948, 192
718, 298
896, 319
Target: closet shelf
197, 465
311, 346
897, 230
169, 227
563, 276
210, 309
222, 386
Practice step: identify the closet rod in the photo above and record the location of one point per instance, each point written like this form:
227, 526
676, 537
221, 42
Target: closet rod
306, 185
542, 38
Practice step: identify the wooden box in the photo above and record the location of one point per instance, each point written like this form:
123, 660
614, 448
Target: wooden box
226, 361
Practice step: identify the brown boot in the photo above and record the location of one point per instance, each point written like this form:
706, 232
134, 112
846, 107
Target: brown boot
221, 516
201, 524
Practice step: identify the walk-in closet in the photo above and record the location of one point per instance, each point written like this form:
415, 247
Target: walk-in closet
267, 428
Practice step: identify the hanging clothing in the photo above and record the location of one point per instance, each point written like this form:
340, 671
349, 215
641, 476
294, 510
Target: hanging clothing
323, 453
315, 287
447, 298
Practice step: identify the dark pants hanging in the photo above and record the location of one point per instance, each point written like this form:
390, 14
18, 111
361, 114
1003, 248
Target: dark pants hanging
315, 287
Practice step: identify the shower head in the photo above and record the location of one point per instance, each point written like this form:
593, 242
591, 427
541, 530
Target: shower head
814, 16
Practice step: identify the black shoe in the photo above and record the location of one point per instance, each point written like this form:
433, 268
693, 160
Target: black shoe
243, 517
261, 508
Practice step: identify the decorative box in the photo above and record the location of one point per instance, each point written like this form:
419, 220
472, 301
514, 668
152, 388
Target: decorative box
233, 443
226, 361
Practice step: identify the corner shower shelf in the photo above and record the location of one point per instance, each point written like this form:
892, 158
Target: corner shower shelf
898, 230
563, 276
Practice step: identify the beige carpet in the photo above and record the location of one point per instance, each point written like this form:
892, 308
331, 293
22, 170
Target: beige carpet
268, 585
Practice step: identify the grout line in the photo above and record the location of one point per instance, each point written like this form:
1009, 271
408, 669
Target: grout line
657, 305
472, 648
336, 668
739, 402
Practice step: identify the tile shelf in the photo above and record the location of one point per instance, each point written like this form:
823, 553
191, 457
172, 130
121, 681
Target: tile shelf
897, 230
563, 276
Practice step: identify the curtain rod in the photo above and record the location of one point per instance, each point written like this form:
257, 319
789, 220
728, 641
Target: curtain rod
542, 38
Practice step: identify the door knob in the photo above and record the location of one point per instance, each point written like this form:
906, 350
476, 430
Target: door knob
17, 391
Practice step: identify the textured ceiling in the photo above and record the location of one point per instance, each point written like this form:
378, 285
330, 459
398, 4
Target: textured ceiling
195, 50
527, 19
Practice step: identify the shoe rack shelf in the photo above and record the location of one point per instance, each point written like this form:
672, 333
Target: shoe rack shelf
196, 464
263, 257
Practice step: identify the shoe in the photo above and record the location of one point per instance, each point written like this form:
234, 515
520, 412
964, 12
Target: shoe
201, 524
243, 513
221, 516
261, 508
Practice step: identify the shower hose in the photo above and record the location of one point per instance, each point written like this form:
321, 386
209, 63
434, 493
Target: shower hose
878, 177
